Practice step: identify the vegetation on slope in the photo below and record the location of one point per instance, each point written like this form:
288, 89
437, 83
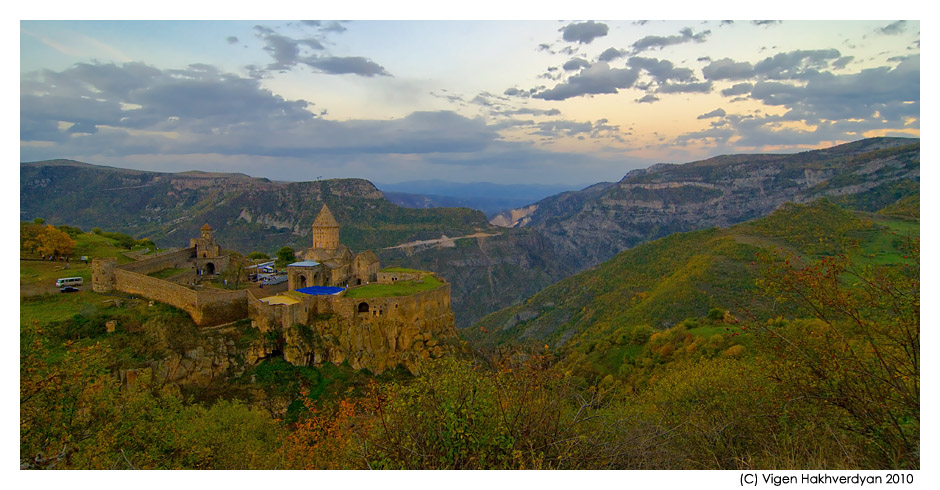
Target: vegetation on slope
787, 342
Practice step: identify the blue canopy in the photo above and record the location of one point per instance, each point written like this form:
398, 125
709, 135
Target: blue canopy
321, 290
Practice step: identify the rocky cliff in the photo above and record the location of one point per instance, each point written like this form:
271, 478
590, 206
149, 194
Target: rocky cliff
590, 226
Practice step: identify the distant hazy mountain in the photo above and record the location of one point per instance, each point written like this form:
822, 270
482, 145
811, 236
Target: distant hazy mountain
484, 196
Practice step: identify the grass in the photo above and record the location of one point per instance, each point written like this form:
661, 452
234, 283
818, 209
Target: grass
400, 288
168, 272
55, 307
404, 270
45, 272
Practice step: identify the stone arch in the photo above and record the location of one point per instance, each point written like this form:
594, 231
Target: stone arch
363, 307
210, 268
303, 281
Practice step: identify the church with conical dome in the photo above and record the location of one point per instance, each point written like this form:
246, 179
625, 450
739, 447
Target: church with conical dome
330, 263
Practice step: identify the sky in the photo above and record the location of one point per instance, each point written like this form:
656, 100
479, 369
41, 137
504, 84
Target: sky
563, 101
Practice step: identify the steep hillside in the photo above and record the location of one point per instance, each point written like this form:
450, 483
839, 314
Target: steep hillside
247, 213
487, 273
659, 284
590, 226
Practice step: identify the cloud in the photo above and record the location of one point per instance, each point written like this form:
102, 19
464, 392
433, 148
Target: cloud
611, 54
647, 99
231, 40
798, 64
599, 78
584, 32
355, 65
737, 89
695, 87
894, 28
661, 70
842, 62
289, 52
135, 109
830, 107
575, 64
766, 23
715, 113
728, 69
653, 42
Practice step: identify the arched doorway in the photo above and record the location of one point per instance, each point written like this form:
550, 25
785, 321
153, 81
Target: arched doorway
210, 268
363, 307
303, 281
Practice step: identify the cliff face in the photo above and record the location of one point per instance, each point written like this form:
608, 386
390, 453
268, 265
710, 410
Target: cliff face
371, 333
590, 226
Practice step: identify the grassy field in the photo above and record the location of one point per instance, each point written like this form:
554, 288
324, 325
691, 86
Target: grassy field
400, 288
403, 270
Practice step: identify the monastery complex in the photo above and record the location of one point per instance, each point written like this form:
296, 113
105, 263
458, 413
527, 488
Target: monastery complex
337, 306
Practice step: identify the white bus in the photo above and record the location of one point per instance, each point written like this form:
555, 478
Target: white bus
68, 281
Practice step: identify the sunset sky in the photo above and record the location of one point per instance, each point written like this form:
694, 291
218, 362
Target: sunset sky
571, 101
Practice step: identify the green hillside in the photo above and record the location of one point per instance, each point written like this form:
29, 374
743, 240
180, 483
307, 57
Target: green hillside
662, 283
247, 213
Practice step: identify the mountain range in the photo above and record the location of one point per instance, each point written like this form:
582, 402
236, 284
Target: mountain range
499, 266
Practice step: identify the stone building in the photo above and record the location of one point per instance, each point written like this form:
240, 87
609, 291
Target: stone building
330, 263
208, 259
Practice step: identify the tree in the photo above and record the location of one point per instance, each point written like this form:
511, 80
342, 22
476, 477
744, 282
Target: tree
258, 256
48, 241
284, 256
861, 352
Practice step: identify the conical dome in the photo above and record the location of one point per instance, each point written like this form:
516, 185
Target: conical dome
325, 230
325, 218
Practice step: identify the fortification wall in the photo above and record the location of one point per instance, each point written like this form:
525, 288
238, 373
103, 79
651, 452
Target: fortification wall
155, 289
390, 277
267, 317
205, 307
215, 307
178, 259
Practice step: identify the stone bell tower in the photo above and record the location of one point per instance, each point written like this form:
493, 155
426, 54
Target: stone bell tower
325, 231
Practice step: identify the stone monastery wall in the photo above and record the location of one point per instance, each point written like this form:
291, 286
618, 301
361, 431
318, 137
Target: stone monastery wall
178, 259
155, 289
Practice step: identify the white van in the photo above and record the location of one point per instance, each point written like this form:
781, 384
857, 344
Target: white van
68, 281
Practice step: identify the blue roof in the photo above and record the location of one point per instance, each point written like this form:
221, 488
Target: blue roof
304, 263
321, 290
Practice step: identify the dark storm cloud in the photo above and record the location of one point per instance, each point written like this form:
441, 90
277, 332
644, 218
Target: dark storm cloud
728, 69
661, 70
653, 42
611, 54
715, 113
599, 78
583, 32
575, 64
894, 28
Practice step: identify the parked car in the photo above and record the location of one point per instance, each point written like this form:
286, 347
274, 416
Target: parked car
68, 289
